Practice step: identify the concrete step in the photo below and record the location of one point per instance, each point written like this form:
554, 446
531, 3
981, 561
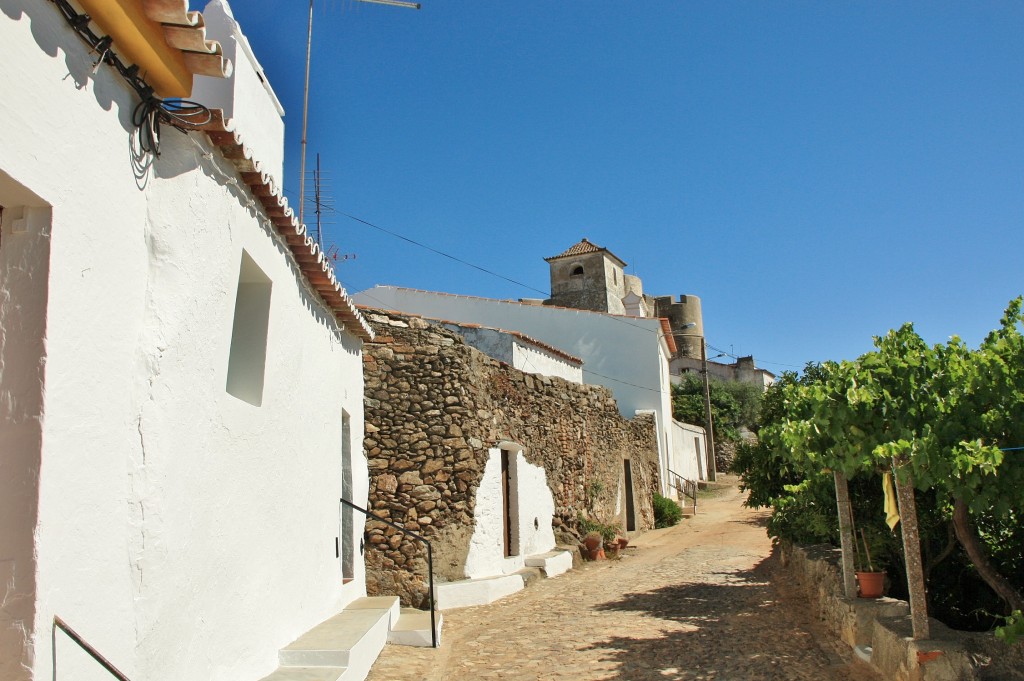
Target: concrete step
467, 592
306, 674
413, 628
553, 563
689, 511
342, 648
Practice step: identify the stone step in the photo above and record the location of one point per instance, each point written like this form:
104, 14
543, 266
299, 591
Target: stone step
342, 648
484, 590
689, 511
413, 628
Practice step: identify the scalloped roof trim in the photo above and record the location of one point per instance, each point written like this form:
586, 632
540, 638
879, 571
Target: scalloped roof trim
313, 263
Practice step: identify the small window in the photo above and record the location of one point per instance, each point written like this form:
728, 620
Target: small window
577, 271
248, 359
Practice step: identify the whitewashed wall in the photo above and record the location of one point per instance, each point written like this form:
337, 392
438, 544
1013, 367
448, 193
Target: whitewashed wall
183, 532
534, 360
247, 97
531, 509
625, 354
688, 453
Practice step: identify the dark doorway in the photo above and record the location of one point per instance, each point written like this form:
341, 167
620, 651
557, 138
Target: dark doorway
630, 512
506, 502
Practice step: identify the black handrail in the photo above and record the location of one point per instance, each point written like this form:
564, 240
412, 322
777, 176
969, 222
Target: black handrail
686, 488
58, 623
430, 562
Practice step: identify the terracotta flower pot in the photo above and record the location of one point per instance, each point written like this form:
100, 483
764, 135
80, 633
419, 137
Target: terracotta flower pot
871, 584
623, 542
592, 545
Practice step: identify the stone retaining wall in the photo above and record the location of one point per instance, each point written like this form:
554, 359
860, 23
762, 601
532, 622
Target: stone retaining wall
881, 628
435, 406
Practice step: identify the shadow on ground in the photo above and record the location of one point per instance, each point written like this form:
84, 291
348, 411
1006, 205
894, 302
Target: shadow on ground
733, 627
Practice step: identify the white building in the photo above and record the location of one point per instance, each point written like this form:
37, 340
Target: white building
519, 351
628, 355
180, 373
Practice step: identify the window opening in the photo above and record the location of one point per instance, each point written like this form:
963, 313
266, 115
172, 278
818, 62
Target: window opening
577, 271
248, 358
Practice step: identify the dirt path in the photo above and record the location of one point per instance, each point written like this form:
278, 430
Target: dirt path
702, 600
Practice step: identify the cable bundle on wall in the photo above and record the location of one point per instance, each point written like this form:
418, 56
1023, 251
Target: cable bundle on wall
151, 112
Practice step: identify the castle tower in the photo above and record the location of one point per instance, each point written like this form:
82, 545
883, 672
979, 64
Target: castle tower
680, 314
588, 277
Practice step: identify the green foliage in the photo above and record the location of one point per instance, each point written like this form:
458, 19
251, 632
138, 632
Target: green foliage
1013, 630
587, 526
733, 405
939, 415
666, 512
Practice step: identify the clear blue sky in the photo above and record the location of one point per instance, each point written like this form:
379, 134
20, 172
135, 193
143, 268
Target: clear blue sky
817, 172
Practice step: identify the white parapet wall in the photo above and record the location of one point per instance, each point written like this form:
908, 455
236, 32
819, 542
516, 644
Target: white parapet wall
182, 530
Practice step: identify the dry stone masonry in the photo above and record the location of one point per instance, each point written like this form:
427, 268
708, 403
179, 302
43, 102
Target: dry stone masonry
434, 408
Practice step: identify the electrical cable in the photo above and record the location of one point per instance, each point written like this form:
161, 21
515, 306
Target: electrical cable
151, 111
434, 250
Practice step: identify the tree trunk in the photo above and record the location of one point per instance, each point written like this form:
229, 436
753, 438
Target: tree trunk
846, 538
912, 552
976, 552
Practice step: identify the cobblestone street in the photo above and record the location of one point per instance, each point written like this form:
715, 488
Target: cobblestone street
702, 600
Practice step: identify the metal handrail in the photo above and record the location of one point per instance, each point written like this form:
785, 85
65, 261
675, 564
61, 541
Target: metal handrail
58, 623
430, 562
688, 488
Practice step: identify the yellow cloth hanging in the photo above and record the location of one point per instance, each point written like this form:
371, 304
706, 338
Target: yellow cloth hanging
892, 512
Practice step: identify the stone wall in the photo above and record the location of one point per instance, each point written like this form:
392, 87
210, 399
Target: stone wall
435, 406
879, 629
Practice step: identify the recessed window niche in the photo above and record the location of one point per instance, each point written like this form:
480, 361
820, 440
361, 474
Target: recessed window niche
248, 359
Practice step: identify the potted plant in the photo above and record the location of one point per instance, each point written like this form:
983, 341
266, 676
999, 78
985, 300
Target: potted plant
592, 543
610, 535
870, 582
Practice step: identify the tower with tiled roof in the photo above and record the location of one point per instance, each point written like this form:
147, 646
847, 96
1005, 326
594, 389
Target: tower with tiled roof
588, 277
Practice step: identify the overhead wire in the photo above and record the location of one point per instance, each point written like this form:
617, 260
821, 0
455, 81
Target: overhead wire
618, 318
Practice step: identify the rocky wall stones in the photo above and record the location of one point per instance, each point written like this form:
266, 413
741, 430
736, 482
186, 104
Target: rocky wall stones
435, 406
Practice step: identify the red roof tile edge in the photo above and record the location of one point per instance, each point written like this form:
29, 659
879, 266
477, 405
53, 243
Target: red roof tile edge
666, 327
313, 263
466, 325
185, 31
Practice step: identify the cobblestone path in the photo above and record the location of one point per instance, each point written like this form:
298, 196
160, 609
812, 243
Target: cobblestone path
702, 600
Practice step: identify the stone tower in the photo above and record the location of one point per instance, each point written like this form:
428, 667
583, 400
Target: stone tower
681, 314
588, 277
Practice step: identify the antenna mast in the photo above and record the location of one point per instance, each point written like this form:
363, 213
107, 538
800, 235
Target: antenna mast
305, 95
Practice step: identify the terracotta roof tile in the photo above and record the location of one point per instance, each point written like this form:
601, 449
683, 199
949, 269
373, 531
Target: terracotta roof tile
578, 249
185, 31
312, 261
583, 248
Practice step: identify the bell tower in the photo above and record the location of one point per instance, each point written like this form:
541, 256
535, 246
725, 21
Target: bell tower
587, 277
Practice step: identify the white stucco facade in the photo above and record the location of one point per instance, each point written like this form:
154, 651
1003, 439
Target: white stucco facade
184, 532
247, 97
531, 508
628, 355
519, 351
688, 454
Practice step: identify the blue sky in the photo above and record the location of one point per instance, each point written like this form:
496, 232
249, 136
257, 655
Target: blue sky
817, 172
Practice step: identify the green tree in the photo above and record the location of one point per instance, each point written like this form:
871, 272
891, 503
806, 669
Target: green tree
942, 414
734, 405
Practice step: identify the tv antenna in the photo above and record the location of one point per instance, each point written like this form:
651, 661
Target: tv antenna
305, 93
